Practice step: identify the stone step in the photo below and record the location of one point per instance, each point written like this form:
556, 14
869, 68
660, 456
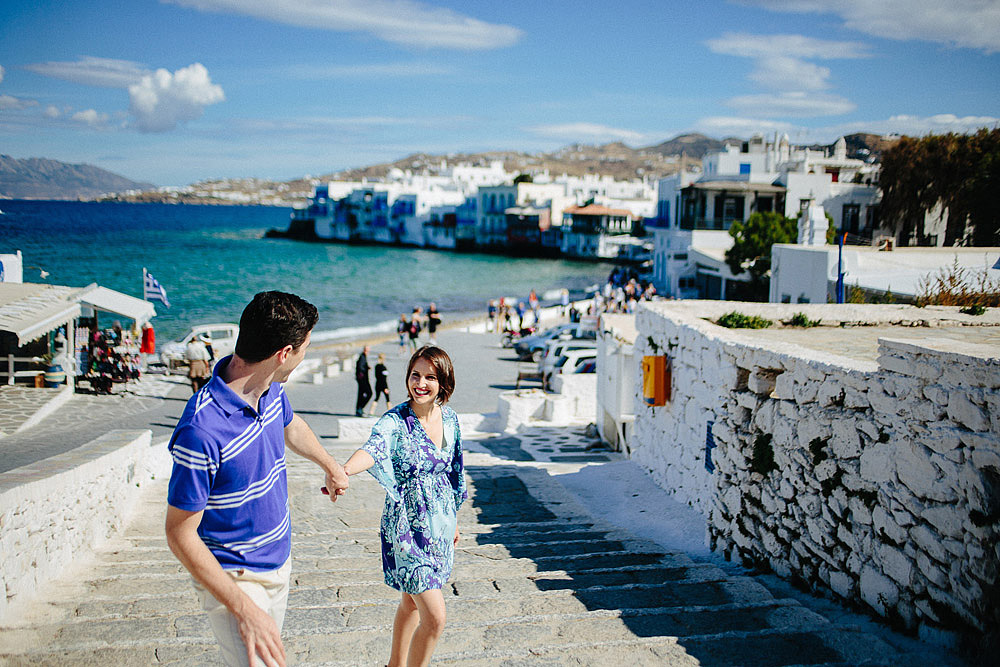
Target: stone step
700, 585
800, 641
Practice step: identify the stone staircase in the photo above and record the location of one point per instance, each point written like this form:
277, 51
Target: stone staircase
537, 581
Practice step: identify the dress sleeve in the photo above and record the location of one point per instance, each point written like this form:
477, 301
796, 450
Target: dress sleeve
380, 445
456, 474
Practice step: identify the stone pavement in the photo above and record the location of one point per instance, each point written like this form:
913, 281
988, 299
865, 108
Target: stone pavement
155, 403
537, 581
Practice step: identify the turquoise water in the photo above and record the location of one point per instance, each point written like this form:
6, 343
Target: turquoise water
213, 259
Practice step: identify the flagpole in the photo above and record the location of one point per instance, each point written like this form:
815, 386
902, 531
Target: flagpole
144, 284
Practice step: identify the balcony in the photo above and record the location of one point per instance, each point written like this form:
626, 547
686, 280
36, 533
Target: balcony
719, 224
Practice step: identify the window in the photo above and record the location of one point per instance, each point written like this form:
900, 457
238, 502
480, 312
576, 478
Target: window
851, 218
744, 168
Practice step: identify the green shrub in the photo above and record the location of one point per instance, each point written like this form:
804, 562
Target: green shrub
802, 320
735, 320
977, 309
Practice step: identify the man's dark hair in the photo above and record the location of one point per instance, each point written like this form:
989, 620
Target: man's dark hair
270, 322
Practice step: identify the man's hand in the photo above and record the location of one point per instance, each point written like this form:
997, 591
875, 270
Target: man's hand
261, 637
336, 483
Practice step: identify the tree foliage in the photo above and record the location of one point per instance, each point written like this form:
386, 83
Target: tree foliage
752, 243
960, 172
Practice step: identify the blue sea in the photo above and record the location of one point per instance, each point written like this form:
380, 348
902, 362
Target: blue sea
212, 260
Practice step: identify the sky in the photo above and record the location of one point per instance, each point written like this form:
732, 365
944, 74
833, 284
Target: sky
177, 91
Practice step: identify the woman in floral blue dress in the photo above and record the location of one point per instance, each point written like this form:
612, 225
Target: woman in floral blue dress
415, 453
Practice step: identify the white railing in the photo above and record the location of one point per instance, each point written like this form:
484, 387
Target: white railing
11, 374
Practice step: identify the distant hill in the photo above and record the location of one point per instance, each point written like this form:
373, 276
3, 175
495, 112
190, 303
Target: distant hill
691, 145
40, 178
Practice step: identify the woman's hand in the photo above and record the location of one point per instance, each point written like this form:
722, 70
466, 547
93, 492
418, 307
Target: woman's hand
456, 536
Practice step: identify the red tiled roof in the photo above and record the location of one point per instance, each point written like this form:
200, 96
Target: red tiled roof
596, 209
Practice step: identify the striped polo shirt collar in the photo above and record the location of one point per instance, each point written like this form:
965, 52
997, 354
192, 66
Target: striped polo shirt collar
227, 399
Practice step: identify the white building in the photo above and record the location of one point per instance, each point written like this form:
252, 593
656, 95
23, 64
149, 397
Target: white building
695, 211
493, 202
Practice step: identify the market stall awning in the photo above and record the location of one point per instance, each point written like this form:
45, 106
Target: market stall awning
31, 310
108, 300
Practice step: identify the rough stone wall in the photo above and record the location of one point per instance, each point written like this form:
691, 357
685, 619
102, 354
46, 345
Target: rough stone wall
878, 481
56, 510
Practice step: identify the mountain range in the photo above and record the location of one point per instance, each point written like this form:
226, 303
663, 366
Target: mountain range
39, 178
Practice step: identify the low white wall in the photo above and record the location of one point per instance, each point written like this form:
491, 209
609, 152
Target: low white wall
55, 511
877, 481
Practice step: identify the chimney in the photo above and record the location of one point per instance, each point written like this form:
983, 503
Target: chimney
813, 225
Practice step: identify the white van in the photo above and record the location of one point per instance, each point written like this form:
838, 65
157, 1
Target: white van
223, 337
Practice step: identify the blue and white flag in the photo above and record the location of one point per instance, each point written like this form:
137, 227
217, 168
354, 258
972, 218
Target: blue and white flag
152, 290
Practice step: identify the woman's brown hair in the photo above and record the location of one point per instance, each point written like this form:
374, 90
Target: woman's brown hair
443, 368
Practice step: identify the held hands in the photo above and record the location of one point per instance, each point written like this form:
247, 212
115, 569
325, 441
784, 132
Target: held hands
336, 480
456, 536
261, 637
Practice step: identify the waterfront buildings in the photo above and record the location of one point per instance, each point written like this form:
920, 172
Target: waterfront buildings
483, 208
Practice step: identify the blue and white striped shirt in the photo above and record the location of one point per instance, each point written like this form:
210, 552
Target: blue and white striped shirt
229, 460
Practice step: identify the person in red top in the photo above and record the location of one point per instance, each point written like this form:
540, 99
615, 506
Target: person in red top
148, 344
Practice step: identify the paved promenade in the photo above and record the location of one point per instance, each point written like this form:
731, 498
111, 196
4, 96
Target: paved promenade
553, 568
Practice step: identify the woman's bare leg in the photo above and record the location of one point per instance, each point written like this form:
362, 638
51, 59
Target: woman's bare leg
402, 630
430, 605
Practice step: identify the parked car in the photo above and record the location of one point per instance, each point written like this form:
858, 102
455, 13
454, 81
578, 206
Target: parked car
223, 337
583, 360
533, 347
557, 348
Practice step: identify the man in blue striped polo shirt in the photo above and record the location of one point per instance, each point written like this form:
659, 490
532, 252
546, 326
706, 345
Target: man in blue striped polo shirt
227, 515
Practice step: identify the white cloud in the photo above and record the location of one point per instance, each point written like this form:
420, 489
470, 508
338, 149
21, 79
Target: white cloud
794, 104
920, 125
791, 46
51, 112
9, 102
90, 117
161, 100
587, 132
783, 73
724, 126
973, 24
407, 22
91, 71
373, 70
780, 60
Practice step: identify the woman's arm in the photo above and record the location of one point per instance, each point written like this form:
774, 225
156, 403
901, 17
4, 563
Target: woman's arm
360, 461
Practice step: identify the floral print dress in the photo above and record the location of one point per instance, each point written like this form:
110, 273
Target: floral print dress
424, 488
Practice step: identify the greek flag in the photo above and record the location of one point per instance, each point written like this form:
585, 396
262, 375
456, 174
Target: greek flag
152, 290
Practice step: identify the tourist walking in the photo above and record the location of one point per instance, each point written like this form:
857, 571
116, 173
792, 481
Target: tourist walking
491, 315
433, 320
403, 329
533, 304
198, 358
414, 331
415, 453
147, 344
227, 515
361, 377
563, 301
381, 385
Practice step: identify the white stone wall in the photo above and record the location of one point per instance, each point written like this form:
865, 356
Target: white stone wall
55, 511
878, 481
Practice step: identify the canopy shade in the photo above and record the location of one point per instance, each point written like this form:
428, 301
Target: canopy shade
108, 300
31, 310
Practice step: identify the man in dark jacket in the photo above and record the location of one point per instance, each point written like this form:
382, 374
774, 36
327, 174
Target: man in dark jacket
364, 386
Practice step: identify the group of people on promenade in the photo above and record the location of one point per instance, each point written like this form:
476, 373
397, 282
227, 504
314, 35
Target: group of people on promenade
228, 518
409, 328
500, 313
622, 292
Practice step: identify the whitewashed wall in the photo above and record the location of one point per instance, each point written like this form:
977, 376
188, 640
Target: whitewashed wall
55, 511
878, 481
